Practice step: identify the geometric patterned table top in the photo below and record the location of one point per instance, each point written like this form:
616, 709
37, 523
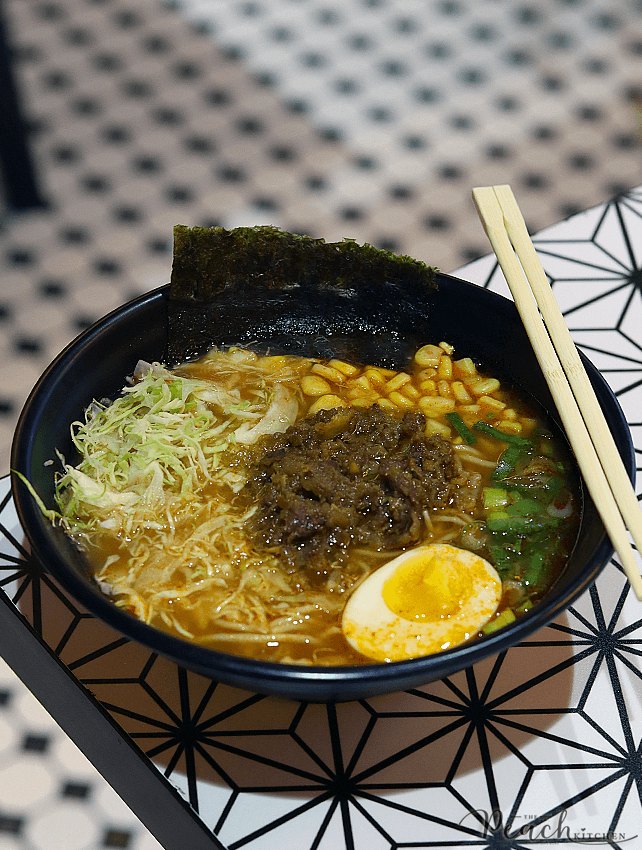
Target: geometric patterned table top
541, 744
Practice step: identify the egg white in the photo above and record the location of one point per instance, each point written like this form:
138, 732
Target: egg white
376, 631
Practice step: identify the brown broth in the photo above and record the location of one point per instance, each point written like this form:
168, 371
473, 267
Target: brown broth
274, 599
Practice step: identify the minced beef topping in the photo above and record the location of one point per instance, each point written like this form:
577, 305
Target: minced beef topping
353, 476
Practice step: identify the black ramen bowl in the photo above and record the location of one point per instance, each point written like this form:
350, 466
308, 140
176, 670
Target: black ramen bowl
378, 329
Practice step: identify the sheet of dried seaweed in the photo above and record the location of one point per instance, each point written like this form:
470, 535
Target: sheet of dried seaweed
291, 292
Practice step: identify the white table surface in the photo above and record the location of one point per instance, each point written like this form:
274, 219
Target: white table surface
547, 736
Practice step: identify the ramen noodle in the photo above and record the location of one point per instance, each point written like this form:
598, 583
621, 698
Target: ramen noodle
239, 501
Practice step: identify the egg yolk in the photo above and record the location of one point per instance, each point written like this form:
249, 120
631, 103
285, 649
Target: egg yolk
428, 589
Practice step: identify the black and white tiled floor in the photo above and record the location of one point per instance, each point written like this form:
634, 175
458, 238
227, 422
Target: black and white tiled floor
51, 798
370, 119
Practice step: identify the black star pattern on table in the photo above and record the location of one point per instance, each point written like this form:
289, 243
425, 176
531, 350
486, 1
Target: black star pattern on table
529, 744
31, 588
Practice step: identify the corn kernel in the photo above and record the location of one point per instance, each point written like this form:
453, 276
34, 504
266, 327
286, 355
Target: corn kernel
358, 392
326, 402
509, 427
468, 409
460, 392
411, 391
397, 382
362, 402
426, 374
465, 367
314, 385
428, 387
328, 373
491, 403
400, 400
445, 368
345, 368
509, 413
443, 388
386, 404
375, 377
436, 406
428, 355
439, 428
361, 382
528, 424
483, 386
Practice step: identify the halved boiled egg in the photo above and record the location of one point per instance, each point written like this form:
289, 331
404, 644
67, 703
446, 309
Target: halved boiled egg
426, 600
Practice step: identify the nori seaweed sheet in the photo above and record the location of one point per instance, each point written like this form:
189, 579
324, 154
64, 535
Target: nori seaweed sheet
289, 293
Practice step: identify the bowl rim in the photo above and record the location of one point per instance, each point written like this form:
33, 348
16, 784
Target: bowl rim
295, 681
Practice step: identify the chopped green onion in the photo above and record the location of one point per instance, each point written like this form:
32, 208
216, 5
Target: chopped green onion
534, 570
507, 463
525, 507
496, 514
462, 429
518, 524
545, 549
511, 439
502, 560
548, 485
504, 619
494, 498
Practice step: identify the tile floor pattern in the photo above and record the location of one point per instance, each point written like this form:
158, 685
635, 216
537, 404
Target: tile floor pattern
51, 798
368, 119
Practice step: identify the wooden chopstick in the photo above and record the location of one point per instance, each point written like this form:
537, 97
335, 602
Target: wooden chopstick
570, 360
580, 412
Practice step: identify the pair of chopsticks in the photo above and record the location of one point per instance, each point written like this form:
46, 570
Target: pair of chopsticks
579, 409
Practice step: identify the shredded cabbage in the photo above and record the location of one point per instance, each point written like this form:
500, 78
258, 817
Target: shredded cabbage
155, 500
144, 454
